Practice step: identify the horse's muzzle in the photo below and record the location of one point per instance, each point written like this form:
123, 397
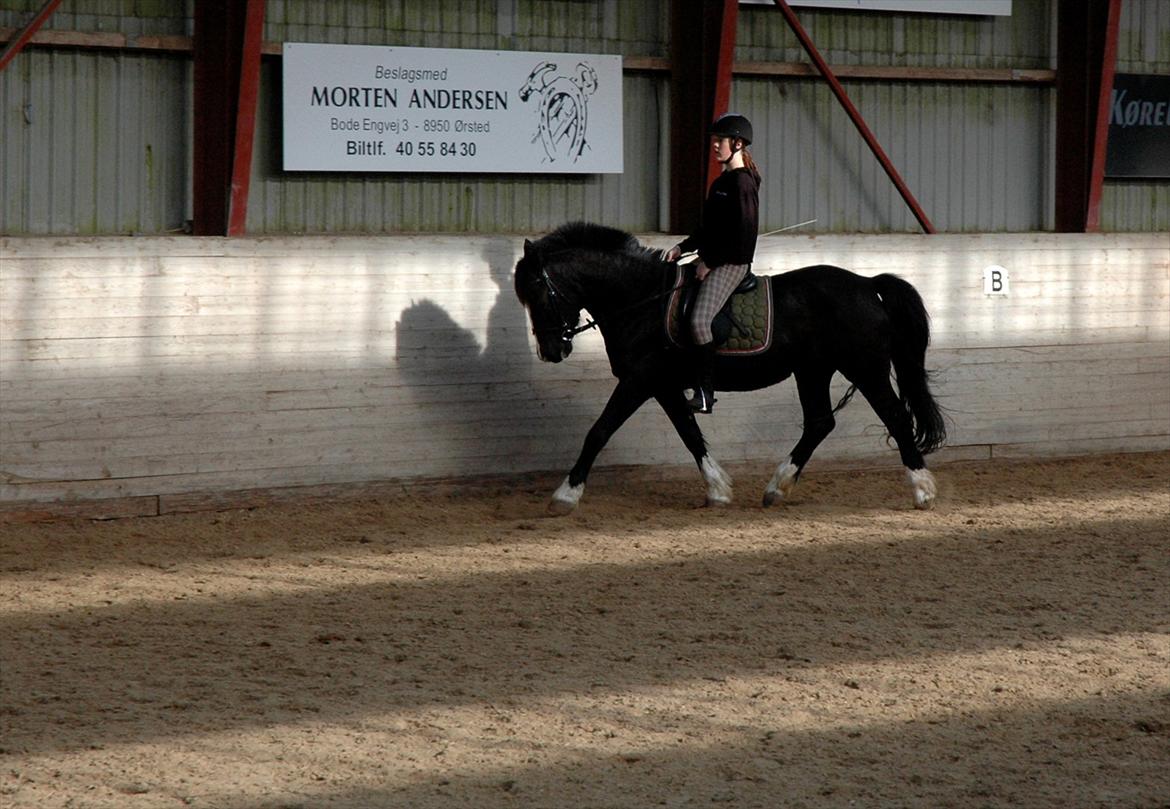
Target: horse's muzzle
555, 350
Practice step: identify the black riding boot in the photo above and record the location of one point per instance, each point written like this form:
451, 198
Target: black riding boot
704, 398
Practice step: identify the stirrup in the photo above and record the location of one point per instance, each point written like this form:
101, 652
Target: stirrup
703, 401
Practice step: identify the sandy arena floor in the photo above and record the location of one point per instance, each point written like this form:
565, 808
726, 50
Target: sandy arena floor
456, 648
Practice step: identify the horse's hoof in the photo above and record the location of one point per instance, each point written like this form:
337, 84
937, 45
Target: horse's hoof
718, 483
923, 501
925, 488
560, 508
717, 502
565, 498
776, 496
782, 483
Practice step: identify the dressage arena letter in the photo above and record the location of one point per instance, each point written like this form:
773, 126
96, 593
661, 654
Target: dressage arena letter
995, 280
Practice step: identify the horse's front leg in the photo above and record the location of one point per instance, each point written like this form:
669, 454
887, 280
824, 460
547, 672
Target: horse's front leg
626, 398
683, 418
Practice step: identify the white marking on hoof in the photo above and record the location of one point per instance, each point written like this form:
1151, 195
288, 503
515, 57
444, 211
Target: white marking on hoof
782, 482
565, 498
924, 486
718, 482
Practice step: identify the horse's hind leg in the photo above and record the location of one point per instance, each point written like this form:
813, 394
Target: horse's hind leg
812, 386
626, 398
885, 402
683, 418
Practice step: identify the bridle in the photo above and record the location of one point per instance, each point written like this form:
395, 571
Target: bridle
568, 331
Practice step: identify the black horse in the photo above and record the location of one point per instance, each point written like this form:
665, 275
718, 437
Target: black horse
827, 319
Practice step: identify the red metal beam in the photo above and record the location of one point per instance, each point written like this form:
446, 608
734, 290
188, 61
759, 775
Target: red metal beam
1080, 52
246, 117
26, 33
217, 51
723, 70
855, 116
1101, 133
702, 42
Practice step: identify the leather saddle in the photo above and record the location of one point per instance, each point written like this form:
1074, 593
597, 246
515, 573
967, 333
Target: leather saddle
742, 327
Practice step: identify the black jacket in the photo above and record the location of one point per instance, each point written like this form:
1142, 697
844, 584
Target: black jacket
731, 220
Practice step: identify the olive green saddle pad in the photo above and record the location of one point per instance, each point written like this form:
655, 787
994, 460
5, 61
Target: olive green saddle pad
742, 328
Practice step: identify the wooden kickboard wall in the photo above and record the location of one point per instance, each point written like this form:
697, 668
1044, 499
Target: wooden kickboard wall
133, 370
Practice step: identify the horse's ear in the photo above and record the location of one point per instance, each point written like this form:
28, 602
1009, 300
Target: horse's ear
527, 246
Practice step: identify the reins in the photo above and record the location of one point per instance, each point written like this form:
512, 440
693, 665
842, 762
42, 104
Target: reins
569, 332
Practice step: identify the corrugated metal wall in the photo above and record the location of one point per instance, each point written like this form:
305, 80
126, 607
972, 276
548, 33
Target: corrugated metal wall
960, 147
910, 40
99, 141
130, 17
95, 141
598, 26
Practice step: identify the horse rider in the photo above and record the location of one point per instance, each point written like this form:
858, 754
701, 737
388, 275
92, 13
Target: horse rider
726, 242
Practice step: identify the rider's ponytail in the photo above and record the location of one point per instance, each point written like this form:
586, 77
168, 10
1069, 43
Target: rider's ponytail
750, 165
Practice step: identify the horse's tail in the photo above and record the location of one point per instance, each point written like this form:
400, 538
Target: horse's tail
911, 336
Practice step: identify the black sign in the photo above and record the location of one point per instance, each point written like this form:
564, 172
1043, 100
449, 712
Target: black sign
1139, 126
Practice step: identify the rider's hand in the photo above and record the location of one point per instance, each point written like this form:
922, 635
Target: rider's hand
701, 270
673, 253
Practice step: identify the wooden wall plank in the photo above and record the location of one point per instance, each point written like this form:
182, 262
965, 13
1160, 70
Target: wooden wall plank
171, 367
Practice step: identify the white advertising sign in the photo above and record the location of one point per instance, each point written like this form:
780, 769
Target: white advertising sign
372, 108
1001, 8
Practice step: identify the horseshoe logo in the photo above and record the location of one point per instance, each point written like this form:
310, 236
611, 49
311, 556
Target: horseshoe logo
563, 108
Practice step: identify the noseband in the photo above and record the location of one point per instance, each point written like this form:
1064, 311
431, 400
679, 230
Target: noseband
567, 331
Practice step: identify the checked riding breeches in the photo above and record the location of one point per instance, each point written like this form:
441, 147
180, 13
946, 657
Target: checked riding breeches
714, 291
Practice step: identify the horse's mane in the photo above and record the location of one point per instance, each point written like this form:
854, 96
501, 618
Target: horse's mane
624, 256
589, 236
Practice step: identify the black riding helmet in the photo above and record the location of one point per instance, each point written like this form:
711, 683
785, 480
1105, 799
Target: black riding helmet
732, 125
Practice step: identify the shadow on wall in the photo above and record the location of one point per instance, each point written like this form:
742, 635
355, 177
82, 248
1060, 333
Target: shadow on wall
480, 406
